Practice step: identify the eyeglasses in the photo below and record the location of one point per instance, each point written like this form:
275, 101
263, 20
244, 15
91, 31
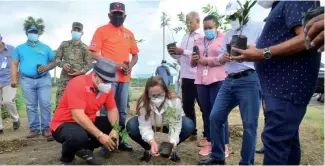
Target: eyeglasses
154, 96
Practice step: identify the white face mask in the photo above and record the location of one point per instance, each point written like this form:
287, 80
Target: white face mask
157, 101
104, 88
235, 24
266, 4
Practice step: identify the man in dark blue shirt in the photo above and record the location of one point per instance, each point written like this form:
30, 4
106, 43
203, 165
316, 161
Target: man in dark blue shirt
288, 74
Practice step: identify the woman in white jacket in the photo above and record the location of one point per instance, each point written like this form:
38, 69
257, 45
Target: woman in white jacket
159, 110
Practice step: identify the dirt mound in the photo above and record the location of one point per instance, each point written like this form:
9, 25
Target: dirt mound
13, 145
235, 131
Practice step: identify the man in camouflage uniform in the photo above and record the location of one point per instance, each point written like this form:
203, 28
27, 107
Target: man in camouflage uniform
73, 57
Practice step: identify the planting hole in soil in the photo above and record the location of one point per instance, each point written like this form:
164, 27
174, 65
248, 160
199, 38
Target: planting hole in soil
311, 13
165, 149
238, 42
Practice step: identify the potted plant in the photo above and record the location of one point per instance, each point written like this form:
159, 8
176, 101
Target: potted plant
122, 133
310, 14
165, 23
170, 118
240, 41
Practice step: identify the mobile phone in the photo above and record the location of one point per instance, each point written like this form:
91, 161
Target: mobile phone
37, 67
196, 50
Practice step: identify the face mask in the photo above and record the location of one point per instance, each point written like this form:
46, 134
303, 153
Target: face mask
117, 20
157, 101
235, 24
76, 35
164, 64
210, 33
104, 88
32, 37
265, 4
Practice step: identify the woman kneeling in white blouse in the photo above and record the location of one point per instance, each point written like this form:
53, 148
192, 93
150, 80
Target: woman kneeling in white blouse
159, 110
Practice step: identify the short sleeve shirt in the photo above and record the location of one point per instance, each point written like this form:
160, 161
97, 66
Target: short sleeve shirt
288, 77
116, 44
30, 55
80, 94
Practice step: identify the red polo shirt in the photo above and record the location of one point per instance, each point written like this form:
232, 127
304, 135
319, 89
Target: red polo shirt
80, 94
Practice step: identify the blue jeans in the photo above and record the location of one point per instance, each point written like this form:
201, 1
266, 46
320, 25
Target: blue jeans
207, 95
245, 92
121, 93
178, 89
281, 132
133, 128
37, 92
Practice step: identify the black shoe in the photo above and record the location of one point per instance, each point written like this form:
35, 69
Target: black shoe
260, 150
211, 161
146, 156
1, 132
125, 147
105, 152
88, 155
16, 125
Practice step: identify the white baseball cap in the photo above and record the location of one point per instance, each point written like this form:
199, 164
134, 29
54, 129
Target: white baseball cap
232, 7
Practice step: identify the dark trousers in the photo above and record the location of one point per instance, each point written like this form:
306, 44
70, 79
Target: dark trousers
207, 95
245, 92
132, 127
74, 138
189, 94
281, 132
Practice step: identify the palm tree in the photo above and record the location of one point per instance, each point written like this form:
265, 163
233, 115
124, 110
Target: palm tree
243, 14
39, 23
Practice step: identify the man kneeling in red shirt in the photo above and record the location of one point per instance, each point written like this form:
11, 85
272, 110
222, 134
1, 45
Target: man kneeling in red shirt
75, 124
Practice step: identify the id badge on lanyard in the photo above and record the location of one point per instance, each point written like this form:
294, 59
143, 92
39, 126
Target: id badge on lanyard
205, 53
4, 64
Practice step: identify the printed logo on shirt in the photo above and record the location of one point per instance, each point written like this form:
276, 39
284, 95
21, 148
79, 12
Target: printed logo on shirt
93, 44
126, 36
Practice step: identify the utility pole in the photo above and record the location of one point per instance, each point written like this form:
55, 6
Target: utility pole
164, 24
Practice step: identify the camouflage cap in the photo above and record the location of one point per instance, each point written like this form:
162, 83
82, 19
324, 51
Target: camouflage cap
77, 25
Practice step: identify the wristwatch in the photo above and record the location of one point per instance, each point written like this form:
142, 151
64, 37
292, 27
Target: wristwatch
267, 53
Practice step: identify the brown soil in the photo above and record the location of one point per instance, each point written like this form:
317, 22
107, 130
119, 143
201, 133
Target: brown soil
16, 149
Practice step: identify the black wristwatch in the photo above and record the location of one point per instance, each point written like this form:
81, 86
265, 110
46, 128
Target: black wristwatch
267, 53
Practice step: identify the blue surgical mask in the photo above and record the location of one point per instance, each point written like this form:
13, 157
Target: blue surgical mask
32, 37
210, 33
76, 35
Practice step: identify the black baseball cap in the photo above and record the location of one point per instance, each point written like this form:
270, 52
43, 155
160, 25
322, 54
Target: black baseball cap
117, 7
77, 25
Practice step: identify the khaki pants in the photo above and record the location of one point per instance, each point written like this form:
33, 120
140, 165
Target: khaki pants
7, 99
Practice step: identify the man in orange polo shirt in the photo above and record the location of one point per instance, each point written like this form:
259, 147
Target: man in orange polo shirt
75, 124
116, 43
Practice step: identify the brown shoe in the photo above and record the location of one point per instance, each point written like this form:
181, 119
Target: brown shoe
47, 134
192, 138
32, 134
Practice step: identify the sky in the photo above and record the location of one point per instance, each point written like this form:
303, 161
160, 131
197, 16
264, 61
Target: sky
143, 19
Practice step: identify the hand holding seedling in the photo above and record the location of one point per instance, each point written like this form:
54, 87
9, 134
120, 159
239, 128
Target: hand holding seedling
315, 32
154, 148
250, 54
224, 58
107, 142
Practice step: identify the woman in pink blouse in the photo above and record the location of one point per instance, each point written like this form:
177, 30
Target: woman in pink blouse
209, 77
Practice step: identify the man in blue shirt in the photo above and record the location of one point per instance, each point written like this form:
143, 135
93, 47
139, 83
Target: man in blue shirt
163, 71
288, 74
7, 93
35, 59
241, 87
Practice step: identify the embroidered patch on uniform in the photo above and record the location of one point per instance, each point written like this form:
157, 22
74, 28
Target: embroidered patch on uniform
92, 44
126, 36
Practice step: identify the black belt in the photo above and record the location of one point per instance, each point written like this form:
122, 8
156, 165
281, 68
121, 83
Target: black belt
36, 77
241, 74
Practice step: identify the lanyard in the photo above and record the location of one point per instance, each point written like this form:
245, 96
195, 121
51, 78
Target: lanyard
205, 53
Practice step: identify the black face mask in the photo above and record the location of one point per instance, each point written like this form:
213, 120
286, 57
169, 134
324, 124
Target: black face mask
117, 20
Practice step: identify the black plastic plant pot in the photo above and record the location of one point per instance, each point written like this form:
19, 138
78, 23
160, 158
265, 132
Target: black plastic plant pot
238, 42
310, 14
171, 45
165, 149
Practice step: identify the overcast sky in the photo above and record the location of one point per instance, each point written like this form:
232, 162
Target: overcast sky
143, 19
